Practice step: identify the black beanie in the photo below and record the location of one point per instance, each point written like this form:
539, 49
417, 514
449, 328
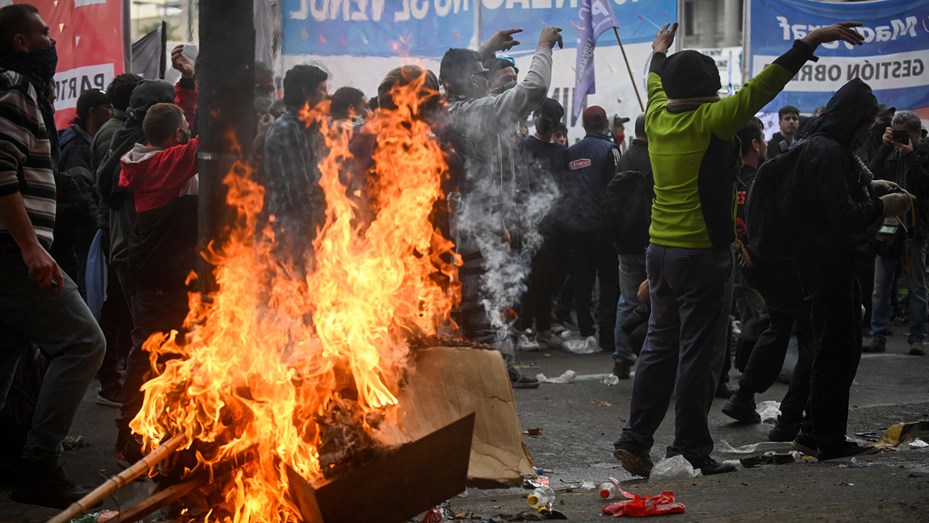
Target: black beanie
690, 74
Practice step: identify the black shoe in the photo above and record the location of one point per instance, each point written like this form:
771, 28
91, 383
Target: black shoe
45, 484
783, 431
875, 344
846, 450
710, 466
806, 444
916, 349
724, 391
521, 381
741, 407
635, 461
621, 370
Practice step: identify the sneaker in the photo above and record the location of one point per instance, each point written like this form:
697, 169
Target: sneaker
113, 399
131, 453
806, 444
550, 342
783, 431
875, 344
916, 349
710, 466
636, 461
521, 381
525, 343
847, 450
741, 407
45, 484
622, 369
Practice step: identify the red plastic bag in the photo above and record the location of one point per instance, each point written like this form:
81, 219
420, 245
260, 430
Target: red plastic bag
642, 506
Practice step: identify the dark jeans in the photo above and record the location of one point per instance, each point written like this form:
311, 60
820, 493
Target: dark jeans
780, 286
545, 275
153, 310
116, 323
831, 286
631, 275
66, 332
691, 295
594, 258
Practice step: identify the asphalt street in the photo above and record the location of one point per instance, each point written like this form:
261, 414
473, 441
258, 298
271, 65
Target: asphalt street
580, 420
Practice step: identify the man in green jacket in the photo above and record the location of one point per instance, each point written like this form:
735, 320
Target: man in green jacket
689, 261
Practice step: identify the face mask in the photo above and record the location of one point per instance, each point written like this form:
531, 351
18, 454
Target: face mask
42, 62
185, 137
543, 125
621, 137
860, 137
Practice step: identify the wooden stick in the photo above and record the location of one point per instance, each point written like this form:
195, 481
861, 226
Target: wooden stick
159, 499
629, 68
119, 481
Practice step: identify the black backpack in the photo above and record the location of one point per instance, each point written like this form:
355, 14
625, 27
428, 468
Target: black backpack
627, 204
772, 215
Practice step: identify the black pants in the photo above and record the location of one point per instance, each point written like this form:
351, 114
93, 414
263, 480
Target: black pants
595, 258
116, 324
830, 282
545, 277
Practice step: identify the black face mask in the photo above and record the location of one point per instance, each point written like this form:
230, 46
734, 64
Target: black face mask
185, 137
42, 62
860, 137
543, 125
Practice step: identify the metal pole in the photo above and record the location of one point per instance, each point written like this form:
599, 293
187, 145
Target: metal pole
628, 68
227, 120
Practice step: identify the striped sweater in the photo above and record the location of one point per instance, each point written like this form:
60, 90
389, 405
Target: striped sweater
25, 157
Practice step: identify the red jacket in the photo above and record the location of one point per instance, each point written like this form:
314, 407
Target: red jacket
158, 176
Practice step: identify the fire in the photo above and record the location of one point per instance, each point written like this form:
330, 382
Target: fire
279, 368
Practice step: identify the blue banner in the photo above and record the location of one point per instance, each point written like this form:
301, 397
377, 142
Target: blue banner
894, 59
428, 28
425, 28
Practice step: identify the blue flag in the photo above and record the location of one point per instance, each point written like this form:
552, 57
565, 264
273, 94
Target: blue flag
596, 16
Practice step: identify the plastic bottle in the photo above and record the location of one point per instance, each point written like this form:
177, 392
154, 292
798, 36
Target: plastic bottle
542, 498
610, 489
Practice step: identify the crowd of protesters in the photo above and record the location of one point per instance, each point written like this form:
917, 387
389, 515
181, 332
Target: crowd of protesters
648, 251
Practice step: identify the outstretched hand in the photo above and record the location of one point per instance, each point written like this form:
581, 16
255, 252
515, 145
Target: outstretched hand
664, 39
181, 62
501, 41
551, 36
836, 32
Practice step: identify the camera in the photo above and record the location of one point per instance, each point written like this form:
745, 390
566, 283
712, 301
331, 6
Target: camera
901, 137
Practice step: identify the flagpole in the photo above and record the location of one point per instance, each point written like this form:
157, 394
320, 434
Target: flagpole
629, 68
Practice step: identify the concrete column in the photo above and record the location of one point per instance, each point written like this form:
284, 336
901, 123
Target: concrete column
732, 24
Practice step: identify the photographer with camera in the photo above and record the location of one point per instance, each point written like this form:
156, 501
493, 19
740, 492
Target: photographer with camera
902, 245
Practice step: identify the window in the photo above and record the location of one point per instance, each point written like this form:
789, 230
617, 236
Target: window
689, 13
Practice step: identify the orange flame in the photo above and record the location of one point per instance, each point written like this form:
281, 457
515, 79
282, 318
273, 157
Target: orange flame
272, 361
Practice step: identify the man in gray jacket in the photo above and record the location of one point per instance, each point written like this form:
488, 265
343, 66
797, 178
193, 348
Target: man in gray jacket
486, 213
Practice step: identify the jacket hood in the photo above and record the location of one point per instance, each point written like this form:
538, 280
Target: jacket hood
134, 162
850, 108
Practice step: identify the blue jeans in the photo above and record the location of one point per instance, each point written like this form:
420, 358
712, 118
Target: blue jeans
691, 295
66, 331
631, 275
918, 304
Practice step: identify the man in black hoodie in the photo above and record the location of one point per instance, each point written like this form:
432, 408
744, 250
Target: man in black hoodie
836, 203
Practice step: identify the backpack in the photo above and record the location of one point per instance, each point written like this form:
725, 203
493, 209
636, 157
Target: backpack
771, 214
627, 205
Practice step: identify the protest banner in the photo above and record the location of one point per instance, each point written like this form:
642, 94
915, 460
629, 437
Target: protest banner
894, 59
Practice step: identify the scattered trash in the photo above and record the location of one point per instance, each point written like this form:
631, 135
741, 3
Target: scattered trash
434, 515
74, 443
534, 482
528, 515
533, 432
870, 436
540, 470
900, 433
640, 506
566, 377
676, 467
603, 403
96, 517
609, 489
768, 410
854, 464
542, 498
610, 380
587, 485
918, 444
768, 458
725, 448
